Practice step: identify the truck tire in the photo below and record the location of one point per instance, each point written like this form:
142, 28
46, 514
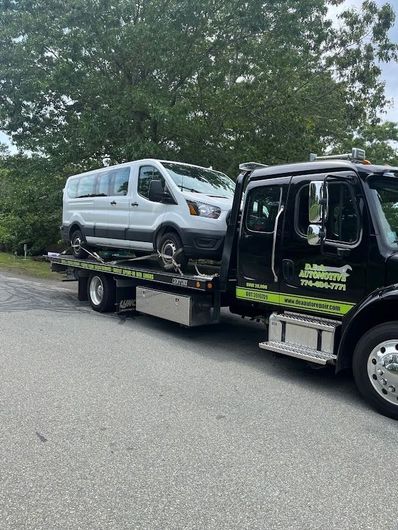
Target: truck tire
101, 293
170, 244
77, 241
375, 368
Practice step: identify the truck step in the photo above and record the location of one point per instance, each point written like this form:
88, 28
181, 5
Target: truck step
323, 324
299, 351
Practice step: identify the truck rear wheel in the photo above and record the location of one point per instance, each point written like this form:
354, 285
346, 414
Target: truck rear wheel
375, 368
101, 293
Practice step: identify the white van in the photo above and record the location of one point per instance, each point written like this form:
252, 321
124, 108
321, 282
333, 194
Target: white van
149, 205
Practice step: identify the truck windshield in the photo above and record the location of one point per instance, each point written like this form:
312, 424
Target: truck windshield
385, 192
200, 180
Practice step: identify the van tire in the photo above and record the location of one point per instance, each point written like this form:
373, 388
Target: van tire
77, 241
101, 293
169, 244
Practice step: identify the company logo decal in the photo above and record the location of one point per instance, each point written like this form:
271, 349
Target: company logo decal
324, 277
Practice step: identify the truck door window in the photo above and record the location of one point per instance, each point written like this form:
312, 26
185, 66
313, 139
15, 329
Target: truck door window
262, 209
343, 220
146, 175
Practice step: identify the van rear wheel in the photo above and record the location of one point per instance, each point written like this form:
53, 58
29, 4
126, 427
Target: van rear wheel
77, 242
171, 248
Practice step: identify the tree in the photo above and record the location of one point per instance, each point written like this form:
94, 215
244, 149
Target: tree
380, 142
30, 203
208, 81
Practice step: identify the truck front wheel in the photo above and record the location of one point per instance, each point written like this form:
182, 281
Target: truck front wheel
101, 293
375, 368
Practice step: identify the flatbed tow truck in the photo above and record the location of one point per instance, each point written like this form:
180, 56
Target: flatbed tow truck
311, 252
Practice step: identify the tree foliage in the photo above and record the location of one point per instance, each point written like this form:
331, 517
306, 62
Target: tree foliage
207, 81
212, 82
30, 203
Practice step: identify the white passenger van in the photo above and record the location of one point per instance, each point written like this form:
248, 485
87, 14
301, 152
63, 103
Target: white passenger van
148, 205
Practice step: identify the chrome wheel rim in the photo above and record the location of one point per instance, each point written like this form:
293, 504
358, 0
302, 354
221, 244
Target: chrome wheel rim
383, 370
168, 249
96, 290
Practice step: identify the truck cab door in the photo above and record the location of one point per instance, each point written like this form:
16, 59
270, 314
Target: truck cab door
329, 278
259, 242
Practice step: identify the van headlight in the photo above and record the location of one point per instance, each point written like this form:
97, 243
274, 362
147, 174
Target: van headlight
204, 210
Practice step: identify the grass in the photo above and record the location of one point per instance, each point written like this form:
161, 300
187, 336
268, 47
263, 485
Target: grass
27, 267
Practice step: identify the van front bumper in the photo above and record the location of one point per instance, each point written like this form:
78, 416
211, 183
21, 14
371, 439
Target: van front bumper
203, 243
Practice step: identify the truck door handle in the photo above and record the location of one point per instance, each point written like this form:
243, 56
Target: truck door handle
134, 204
113, 203
288, 269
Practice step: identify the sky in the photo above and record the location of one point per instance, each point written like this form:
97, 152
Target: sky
389, 71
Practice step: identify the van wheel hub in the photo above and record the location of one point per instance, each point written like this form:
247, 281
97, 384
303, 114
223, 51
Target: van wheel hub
77, 244
169, 248
383, 370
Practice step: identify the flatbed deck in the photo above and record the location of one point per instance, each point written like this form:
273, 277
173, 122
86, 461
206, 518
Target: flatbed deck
150, 272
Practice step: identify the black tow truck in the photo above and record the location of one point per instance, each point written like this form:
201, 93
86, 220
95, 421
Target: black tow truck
311, 251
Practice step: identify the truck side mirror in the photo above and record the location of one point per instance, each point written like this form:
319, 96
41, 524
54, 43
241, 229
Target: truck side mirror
315, 235
318, 202
317, 212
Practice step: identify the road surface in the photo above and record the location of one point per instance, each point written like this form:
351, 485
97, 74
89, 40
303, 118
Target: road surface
110, 423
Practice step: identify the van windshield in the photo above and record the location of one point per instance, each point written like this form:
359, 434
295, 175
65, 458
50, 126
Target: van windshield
200, 180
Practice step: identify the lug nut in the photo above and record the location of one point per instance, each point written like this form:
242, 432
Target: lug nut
391, 388
383, 381
379, 371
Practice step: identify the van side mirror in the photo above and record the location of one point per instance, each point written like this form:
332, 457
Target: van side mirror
158, 194
155, 193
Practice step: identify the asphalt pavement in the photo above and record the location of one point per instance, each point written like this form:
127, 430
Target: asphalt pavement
114, 423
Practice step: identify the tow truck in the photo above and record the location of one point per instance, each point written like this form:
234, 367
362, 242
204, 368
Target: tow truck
311, 251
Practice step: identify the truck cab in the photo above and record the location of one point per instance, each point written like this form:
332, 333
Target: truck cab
317, 258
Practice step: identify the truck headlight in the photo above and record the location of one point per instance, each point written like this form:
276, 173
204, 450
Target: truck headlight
204, 210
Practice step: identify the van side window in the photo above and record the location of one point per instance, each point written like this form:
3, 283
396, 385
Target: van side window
104, 180
146, 175
72, 188
120, 181
263, 207
86, 187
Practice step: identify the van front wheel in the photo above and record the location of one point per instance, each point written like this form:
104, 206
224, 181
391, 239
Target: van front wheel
76, 242
170, 247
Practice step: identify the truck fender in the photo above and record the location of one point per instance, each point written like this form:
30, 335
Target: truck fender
378, 307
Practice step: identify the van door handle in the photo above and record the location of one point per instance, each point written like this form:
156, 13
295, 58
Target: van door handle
134, 204
113, 203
